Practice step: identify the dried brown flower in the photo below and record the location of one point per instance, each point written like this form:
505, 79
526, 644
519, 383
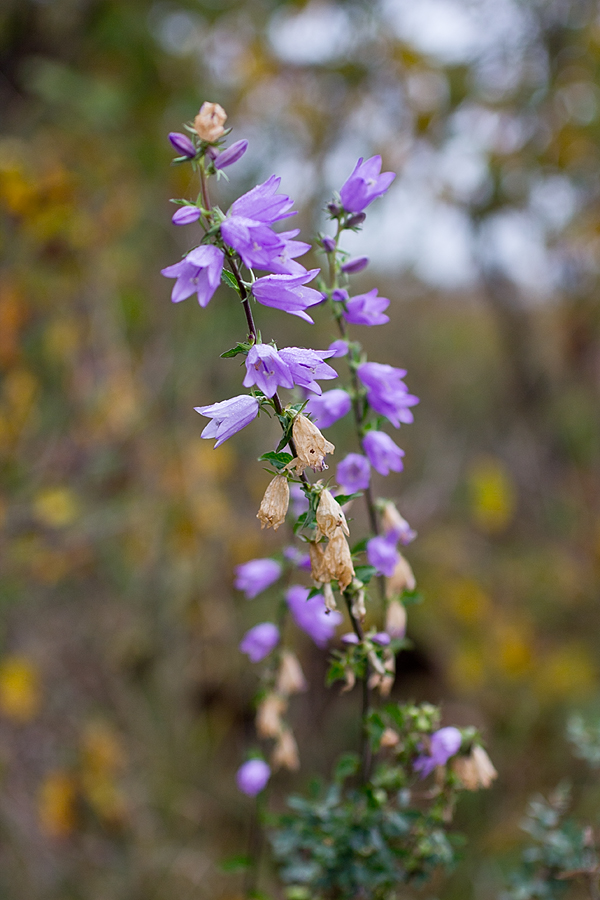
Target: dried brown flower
290, 678
285, 752
274, 505
209, 122
268, 716
476, 770
330, 515
402, 578
311, 446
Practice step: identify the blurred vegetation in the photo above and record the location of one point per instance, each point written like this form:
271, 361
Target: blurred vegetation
124, 704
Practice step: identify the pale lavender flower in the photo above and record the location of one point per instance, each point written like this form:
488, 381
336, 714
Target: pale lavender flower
263, 203
339, 348
259, 641
328, 243
285, 262
353, 473
287, 292
339, 295
182, 144
186, 215
295, 556
267, 370
365, 184
386, 392
444, 743
384, 454
367, 309
329, 407
247, 225
231, 155
349, 638
311, 615
401, 532
228, 416
382, 554
256, 575
382, 638
298, 499
199, 273
306, 366
252, 776
355, 265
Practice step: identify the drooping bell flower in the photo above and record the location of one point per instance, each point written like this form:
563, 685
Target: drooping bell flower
365, 184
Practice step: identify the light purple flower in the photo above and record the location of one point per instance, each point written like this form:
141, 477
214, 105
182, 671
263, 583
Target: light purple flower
267, 370
353, 266
382, 554
402, 532
339, 348
295, 556
259, 641
252, 776
382, 638
339, 295
444, 743
182, 144
263, 203
231, 155
386, 392
287, 292
353, 473
365, 184
256, 575
199, 273
328, 243
186, 215
384, 455
285, 262
329, 407
299, 500
349, 638
228, 416
247, 225
306, 366
367, 309
311, 615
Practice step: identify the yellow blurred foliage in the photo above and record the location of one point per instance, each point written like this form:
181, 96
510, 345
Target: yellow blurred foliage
20, 694
467, 600
57, 804
467, 670
569, 673
56, 507
102, 755
513, 651
492, 494
61, 339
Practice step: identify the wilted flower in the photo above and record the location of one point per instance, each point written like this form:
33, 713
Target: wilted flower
359, 610
182, 144
329, 407
266, 369
285, 752
383, 555
444, 743
396, 525
402, 578
354, 473
318, 567
290, 678
386, 392
311, 446
268, 716
384, 675
476, 770
288, 292
365, 184
231, 155
199, 273
311, 615
330, 515
355, 265
274, 505
389, 738
209, 122
327, 243
256, 575
395, 619
338, 560
367, 309
384, 455
229, 416
252, 776
329, 597
259, 641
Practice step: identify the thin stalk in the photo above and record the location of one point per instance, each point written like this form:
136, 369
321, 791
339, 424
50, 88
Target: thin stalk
365, 744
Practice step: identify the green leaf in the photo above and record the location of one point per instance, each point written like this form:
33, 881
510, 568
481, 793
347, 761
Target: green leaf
411, 597
228, 278
346, 766
365, 573
242, 347
360, 547
313, 592
236, 864
278, 460
345, 498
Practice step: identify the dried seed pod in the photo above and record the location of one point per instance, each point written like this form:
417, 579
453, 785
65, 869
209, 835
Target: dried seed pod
330, 515
274, 505
311, 446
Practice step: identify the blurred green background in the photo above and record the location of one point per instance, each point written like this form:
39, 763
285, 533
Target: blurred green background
125, 706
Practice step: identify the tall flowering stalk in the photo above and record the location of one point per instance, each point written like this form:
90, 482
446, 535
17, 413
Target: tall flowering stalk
376, 827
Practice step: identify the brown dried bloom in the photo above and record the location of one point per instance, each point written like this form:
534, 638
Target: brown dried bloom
318, 566
285, 752
359, 610
476, 770
330, 515
290, 677
330, 603
268, 716
395, 619
275, 502
338, 561
209, 122
349, 681
401, 578
389, 738
311, 446
384, 681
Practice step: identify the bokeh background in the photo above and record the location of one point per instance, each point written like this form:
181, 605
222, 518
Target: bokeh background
125, 707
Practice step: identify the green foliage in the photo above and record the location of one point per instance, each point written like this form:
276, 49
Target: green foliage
585, 738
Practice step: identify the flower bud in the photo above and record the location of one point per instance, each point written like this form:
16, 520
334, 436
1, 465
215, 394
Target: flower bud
275, 502
329, 598
476, 770
268, 716
395, 619
209, 122
340, 295
355, 220
355, 265
311, 446
182, 144
389, 738
285, 753
338, 560
328, 243
252, 777
186, 215
330, 515
231, 155
290, 677
401, 579
334, 209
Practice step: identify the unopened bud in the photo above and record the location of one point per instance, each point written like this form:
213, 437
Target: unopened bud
285, 752
329, 598
290, 677
355, 265
401, 579
209, 122
338, 560
231, 155
268, 716
182, 144
274, 505
356, 220
311, 446
330, 515
476, 770
389, 738
334, 209
395, 619
328, 243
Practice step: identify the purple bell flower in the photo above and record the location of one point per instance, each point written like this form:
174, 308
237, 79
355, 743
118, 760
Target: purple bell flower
329, 407
382, 638
382, 554
267, 370
199, 273
328, 243
365, 184
386, 392
186, 215
228, 417
353, 473
252, 777
247, 226
256, 575
444, 743
182, 144
263, 203
295, 556
311, 615
384, 455
349, 638
308, 365
259, 641
231, 155
339, 348
367, 309
285, 262
340, 295
287, 292
353, 266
